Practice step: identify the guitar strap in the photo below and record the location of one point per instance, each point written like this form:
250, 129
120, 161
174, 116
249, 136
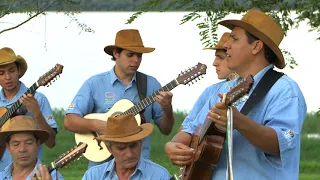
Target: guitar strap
264, 85
141, 81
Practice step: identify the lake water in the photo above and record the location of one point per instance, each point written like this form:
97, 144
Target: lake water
51, 39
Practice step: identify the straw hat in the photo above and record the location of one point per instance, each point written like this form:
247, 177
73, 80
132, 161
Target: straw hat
124, 128
8, 56
20, 124
128, 39
263, 27
224, 38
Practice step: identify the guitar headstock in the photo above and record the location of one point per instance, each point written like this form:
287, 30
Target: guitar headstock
239, 90
71, 155
52, 74
192, 73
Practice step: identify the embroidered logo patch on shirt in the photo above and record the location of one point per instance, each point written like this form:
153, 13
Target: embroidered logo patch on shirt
289, 136
110, 97
71, 106
48, 118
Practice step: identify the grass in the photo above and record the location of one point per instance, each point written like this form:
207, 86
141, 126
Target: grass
309, 164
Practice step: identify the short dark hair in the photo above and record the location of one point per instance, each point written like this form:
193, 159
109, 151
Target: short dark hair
8, 138
268, 53
118, 50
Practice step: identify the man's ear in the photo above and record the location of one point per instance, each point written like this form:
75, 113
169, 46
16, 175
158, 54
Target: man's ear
257, 46
115, 54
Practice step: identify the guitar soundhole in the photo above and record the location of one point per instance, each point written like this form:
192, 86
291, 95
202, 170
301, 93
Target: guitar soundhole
116, 114
98, 141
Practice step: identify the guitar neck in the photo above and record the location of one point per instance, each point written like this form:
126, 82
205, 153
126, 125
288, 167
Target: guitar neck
7, 115
150, 99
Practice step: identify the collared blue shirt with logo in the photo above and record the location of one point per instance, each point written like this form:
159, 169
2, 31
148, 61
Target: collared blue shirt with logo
6, 174
99, 93
146, 170
283, 109
45, 109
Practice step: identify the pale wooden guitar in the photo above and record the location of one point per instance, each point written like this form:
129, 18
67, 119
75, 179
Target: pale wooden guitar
96, 150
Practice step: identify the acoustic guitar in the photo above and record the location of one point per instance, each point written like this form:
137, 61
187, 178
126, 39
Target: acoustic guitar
66, 158
44, 80
98, 151
208, 139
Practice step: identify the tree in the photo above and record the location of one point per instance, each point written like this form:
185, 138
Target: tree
35, 8
212, 11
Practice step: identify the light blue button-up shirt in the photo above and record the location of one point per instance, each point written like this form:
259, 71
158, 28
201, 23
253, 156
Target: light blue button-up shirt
203, 98
45, 109
99, 93
6, 173
146, 170
283, 109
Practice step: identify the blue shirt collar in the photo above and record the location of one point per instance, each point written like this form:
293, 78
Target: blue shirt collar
110, 169
114, 78
260, 74
8, 170
23, 88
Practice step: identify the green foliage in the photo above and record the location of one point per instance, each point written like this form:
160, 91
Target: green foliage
311, 124
212, 11
36, 7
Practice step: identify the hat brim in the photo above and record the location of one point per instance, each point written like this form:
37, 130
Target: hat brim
23, 66
109, 49
147, 129
42, 134
214, 48
230, 24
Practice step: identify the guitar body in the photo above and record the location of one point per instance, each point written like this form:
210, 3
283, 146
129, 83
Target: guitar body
207, 153
2, 111
96, 150
209, 138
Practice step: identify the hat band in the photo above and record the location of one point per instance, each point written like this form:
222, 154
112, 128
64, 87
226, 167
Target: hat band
136, 131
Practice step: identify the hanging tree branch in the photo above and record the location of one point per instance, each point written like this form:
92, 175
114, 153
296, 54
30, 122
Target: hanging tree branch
35, 15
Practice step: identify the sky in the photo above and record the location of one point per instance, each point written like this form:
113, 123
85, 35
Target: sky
51, 39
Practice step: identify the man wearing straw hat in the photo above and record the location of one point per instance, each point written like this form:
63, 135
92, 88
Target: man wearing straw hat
123, 138
22, 139
266, 142
99, 93
223, 73
12, 68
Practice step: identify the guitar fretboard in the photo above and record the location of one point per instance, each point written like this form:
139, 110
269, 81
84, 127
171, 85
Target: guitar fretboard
7, 115
150, 99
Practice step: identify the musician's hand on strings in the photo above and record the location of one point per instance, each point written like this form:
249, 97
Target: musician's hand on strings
179, 154
31, 104
218, 113
42, 173
164, 98
99, 126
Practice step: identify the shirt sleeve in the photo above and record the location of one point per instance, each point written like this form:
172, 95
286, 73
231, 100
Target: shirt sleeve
55, 175
199, 112
46, 110
157, 112
82, 103
286, 118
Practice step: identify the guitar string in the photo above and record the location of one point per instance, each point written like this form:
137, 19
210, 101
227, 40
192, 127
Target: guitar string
16, 106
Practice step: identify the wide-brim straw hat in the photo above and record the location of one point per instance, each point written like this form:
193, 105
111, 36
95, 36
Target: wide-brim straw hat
263, 27
124, 128
224, 38
8, 56
128, 39
22, 124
